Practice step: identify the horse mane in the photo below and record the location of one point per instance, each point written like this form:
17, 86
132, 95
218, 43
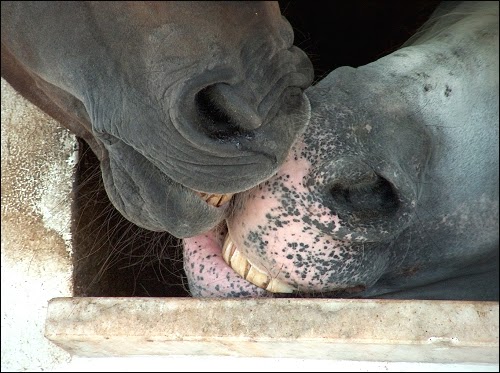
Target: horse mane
447, 14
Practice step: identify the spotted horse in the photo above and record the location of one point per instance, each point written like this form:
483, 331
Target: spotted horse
392, 191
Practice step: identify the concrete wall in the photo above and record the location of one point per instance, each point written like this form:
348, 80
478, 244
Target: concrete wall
38, 157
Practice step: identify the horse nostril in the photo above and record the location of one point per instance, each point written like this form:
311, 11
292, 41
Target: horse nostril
223, 114
368, 196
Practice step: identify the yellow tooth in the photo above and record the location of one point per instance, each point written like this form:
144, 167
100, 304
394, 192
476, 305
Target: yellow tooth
225, 199
216, 200
228, 250
242, 266
277, 286
258, 278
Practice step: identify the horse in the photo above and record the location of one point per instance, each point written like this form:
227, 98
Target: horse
184, 103
392, 191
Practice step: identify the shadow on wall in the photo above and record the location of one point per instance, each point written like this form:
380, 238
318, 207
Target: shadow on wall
113, 257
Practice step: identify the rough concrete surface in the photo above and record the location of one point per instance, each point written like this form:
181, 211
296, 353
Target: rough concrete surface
38, 157
339, 329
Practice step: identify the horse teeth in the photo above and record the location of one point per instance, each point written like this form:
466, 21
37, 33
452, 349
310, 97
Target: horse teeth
216, 200
258, 278
242, 266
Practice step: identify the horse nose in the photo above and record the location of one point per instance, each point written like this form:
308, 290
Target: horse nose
224, 112
365, 194
373, 202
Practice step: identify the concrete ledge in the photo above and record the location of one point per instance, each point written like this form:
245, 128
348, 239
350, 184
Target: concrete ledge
368, 330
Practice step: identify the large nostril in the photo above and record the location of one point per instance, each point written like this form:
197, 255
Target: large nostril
367, 196
223, 113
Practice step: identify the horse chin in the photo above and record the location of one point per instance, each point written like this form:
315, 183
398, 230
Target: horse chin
216, 267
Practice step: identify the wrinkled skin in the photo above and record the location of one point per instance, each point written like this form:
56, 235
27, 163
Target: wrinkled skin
173, 97
393, 189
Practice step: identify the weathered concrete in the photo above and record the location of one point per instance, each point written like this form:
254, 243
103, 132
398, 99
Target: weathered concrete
38, 157
337, 329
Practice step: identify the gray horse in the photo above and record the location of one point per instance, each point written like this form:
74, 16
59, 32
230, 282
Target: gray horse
179, 100
392, 192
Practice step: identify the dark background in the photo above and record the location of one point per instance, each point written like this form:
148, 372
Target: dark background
352, 33
113, 257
